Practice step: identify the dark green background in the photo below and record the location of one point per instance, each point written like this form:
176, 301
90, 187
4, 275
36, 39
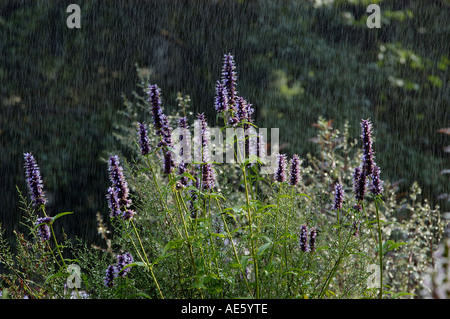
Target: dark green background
61, 88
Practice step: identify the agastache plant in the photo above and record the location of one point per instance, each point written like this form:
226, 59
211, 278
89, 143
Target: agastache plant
229, 79
295, 170
359, 184
143, 139
113, 202
304, 246
122, 261
43, 227
367, 156
244, 111
154, 97
118, 193
221, 99
338, 197
34, 180
110, 274
376, 186
280, 173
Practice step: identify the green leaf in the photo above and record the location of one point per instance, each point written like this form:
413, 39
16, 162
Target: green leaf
402, 294
244, 261
302, 194
265, 207
263, 248
390, 245
136, 263
60, 215
58, 274
174, 244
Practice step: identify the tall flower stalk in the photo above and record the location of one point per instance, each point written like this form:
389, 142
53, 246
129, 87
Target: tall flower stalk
36, 189
368, 170
119, 202
229, 78
34, 181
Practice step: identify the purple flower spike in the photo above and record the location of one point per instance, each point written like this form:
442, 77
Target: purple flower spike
359, 184
182, 123
113, 203
221, 99
111, 273
207, 176
233, 121
280, 174
338, 197
366, 137
43, 229
122, 261
169, 163
295, 170
376, 186
165, 132
304, 239
143, 139
119, 184
242, 109
128, 214
154, 97
229, 78
34, 181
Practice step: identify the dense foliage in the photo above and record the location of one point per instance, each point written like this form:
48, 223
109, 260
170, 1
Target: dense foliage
328, 228
298, 60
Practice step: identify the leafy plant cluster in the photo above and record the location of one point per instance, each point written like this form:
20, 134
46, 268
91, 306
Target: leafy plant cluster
174, 234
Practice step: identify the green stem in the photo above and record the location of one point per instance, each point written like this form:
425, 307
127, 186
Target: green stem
56, 242
234, 248
252, 244
188, 241
333, 270
380, 249
163, 202
57, 247
149, 265
145, 260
